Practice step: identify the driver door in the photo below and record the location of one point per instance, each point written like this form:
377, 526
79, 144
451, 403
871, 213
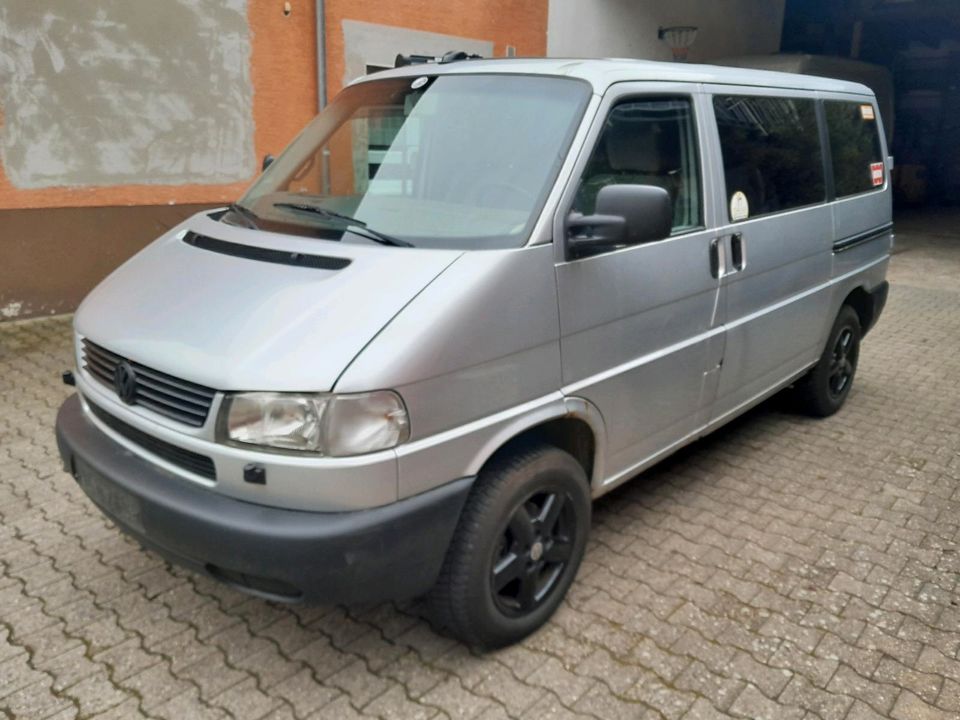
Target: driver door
640, 331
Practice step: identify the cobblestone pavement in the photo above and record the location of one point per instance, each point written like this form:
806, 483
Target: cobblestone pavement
783, 568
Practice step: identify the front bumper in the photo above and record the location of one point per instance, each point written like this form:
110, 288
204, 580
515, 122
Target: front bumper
386, 553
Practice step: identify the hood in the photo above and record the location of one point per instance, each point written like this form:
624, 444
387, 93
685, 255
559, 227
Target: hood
234, 314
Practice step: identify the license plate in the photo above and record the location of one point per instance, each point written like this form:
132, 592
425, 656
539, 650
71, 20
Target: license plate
115, 501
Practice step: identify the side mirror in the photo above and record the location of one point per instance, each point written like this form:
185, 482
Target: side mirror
624, 215
267, 161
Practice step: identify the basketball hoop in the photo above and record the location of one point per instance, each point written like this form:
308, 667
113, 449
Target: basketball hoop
679, 38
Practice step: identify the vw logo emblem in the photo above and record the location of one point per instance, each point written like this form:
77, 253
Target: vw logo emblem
125, 382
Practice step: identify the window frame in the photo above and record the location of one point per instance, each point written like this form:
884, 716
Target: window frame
617, 94
878, 127
776, 93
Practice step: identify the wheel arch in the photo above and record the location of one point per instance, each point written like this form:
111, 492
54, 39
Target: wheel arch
862, 303
576, 427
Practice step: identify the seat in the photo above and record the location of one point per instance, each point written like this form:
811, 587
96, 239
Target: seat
634, 152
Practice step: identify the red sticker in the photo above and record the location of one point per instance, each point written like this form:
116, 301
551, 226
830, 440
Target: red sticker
876, 173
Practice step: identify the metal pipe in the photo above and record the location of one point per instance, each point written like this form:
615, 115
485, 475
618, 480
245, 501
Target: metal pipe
322, 87
321, 55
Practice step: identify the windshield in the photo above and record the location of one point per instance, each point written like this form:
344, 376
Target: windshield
448, 161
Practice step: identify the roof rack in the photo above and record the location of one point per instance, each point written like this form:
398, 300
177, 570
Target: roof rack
447, 57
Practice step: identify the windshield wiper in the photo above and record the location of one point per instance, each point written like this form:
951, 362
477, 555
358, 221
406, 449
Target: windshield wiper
317, 210
352, 222
249, 217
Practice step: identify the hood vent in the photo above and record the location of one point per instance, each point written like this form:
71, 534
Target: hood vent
281, 257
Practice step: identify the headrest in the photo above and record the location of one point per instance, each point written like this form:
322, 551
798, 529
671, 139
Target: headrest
634, 147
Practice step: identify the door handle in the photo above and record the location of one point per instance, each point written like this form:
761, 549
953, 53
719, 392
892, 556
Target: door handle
738, 252
717, 260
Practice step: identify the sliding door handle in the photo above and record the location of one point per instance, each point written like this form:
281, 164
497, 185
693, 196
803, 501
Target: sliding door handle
738, 252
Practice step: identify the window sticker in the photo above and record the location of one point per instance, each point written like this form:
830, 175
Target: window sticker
866, 112
876, 174
739, 207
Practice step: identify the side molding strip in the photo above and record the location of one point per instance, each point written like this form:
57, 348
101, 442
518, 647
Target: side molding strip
853, 241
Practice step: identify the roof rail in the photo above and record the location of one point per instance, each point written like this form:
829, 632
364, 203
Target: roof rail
448, 57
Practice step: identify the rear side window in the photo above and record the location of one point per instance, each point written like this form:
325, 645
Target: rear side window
854, 146
772, 160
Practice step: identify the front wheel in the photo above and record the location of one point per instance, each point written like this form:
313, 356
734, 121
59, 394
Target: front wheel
517, 548
823, 391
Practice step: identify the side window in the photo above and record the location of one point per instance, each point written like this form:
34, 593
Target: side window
854, 146
772, 160
648, 142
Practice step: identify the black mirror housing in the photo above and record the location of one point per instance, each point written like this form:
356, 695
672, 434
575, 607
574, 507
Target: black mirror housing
624, 215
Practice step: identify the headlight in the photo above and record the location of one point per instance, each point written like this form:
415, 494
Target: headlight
337, 425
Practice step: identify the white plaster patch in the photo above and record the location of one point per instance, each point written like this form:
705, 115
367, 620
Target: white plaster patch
109, 92
11, 309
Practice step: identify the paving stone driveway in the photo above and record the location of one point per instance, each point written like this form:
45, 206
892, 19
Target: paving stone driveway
784, 568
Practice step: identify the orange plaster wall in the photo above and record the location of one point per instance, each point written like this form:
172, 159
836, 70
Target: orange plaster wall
284, 77
521, 23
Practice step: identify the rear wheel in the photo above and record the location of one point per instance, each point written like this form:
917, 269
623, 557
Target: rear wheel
517, 548
825, 388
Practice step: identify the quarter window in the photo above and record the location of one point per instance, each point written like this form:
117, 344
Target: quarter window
772, 160
854, 147
648, 142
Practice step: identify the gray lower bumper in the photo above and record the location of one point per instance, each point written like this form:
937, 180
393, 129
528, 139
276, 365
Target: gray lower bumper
391, 552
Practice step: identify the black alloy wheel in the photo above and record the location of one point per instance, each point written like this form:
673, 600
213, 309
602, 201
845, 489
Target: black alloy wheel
533, 552
843, 362
516, 549
825, 388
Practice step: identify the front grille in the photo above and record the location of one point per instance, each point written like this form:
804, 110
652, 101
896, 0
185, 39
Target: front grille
171, 397
186, 459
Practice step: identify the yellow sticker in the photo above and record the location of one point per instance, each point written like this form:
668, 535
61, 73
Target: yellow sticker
866, 112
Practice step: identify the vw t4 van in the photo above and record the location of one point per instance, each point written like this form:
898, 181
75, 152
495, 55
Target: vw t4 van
469, 298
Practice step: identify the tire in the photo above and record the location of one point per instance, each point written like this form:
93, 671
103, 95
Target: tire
516, 550
826, 387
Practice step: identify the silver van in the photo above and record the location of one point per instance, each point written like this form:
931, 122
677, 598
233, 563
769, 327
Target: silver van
466, 300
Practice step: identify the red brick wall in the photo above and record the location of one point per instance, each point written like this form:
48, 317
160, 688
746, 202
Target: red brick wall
521, 23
